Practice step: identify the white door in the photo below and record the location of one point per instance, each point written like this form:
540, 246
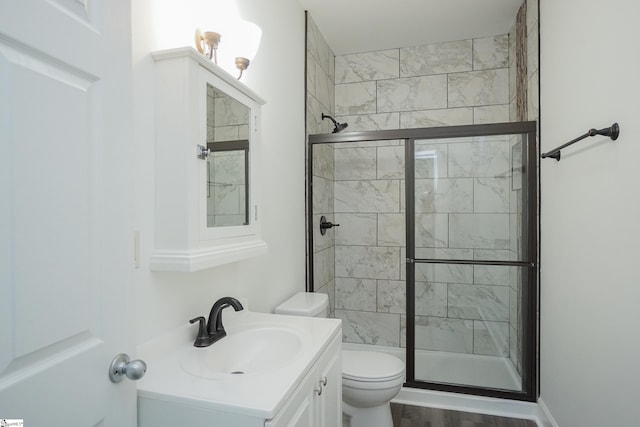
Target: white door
65, 232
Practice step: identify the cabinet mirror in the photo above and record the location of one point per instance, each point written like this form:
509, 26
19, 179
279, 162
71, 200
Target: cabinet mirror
228, 160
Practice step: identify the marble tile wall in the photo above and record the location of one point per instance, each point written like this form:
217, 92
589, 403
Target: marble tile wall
320, 99
523, 105
532, 61
463, 197
320, 77
464, 202
452, 83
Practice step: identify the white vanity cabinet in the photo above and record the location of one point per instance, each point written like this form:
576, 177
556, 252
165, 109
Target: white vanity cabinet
202, 387
328, 406
318, 400
207, 163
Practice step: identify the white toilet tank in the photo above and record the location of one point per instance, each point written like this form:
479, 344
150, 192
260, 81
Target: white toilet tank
310, 304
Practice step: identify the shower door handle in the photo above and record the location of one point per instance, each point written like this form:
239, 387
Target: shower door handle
325, 225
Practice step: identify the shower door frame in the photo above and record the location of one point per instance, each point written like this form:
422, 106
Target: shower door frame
530, 368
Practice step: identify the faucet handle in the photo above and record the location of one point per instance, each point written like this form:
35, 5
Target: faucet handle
203, 334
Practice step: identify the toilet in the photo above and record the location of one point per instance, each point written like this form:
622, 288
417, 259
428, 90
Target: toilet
369, 379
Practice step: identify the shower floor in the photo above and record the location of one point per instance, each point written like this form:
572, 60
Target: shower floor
456, 368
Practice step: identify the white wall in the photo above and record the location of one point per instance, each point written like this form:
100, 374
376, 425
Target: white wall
590, 296
166, 300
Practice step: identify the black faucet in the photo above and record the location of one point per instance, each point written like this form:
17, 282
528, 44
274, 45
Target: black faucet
214, 330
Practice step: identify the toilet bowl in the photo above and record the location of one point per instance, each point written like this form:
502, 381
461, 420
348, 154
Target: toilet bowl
369, 379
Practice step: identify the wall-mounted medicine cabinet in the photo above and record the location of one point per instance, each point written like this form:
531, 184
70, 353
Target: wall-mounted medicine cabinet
207, 160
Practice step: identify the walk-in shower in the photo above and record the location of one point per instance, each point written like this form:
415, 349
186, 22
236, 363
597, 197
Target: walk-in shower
436, 253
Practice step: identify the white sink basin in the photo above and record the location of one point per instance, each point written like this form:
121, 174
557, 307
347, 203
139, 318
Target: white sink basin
250, 351
274, 351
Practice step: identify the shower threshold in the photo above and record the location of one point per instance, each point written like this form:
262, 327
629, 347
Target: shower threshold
443, 367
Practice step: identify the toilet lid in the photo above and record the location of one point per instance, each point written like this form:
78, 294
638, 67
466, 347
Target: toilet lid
370, 366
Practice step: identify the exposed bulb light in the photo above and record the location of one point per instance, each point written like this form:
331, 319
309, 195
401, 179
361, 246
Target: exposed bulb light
243, 43
207, 43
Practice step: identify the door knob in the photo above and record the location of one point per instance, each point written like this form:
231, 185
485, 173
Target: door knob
122, 366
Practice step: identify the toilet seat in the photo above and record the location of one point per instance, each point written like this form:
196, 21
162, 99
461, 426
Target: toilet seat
371, 366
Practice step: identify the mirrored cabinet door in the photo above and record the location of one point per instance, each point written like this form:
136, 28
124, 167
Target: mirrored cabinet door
228, 161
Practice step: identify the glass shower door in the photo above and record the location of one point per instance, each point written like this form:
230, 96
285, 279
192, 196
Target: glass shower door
471, 234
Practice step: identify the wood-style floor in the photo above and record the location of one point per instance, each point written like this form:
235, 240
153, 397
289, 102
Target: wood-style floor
415, 416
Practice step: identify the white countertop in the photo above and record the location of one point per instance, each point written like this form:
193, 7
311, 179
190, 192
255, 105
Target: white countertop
259, 395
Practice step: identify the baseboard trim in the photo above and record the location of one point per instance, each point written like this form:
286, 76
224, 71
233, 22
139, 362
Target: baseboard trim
545, 415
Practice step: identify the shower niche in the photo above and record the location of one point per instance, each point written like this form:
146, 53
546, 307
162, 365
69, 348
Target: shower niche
207, 165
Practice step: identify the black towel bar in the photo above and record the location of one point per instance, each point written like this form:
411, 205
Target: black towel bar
612, 132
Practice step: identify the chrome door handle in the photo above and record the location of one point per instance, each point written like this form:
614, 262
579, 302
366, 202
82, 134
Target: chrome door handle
122, 366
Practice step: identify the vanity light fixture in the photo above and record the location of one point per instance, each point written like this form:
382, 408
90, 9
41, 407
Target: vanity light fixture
207, 44
242, 39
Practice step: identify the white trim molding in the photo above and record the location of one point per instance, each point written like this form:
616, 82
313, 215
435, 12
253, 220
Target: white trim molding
537, 412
